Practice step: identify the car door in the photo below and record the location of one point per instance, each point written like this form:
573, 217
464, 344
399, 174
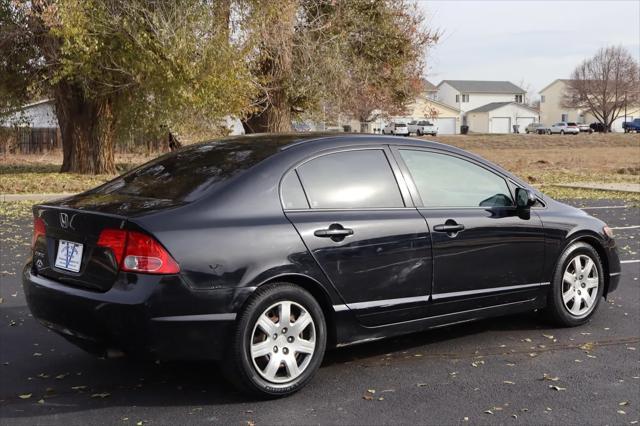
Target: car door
369, 240
485, 251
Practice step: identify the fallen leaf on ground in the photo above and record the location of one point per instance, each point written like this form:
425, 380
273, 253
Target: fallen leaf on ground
25, 396
101, 395
508, 382
545, 376
557, 388
623, 403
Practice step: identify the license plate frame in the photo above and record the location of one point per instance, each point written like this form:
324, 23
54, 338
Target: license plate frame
69, 256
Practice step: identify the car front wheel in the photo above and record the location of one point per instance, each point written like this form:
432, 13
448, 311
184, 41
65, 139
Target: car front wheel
279, 342
577, 285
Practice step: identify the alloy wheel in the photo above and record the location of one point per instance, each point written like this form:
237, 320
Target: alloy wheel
283, 342
580, 285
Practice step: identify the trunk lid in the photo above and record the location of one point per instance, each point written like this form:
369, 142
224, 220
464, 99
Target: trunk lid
69, 254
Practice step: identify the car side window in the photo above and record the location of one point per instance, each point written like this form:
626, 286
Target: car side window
446, 181
292, 193
350, 180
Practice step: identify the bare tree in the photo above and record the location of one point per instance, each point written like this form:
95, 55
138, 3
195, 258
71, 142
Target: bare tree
604, 85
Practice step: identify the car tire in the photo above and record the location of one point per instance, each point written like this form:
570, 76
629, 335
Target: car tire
418, 132
576, 288
526, 131
548, 132
251, 372
562, 132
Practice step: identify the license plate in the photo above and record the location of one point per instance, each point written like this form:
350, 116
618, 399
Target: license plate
69, 256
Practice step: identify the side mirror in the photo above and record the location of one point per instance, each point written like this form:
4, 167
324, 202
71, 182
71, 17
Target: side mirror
525, 198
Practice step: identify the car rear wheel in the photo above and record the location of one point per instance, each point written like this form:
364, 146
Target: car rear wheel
279, 342
548, 132
562, 132
418, 132
577, 286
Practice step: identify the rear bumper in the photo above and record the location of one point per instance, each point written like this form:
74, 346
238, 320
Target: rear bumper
143, 315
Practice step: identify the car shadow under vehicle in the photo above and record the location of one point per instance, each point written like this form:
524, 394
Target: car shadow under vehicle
73, 381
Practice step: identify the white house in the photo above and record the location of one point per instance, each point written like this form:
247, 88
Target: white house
466, 95
37, 115
497, 105
500, 117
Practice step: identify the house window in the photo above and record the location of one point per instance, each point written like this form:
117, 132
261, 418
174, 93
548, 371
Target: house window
457, 98
565, 117
541, 99
465, 98
519, 99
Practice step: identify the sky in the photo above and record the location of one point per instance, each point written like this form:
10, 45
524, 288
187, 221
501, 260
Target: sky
531, 41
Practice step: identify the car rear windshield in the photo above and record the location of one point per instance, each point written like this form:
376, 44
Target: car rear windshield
571, 124
401, 125
186, 174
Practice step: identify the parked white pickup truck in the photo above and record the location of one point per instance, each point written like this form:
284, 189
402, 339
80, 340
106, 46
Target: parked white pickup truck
422, 127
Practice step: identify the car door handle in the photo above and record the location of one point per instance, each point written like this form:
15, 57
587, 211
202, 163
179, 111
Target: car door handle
330, 233
449, 228
335, 231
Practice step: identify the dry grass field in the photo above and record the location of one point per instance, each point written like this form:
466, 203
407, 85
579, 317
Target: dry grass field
541, 159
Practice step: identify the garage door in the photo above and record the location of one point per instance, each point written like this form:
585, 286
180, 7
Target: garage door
523, 122
500, 125
446, 126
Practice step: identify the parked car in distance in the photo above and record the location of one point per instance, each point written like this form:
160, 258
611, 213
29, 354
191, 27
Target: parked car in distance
631, 126
584, 128
563, 128
262, 251
538, 128
597, 127
393, 128
422, 127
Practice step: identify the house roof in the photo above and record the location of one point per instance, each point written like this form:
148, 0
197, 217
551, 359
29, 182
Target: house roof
429, 86
496, 105
564, 80
479, 86
442, 104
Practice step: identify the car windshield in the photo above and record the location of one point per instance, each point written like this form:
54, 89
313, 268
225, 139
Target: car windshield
401, 125
186, 174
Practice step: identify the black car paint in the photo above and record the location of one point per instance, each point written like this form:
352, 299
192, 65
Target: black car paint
238, 237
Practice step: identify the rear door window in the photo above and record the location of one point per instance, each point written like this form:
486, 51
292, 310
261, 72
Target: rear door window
350, 180
446, 181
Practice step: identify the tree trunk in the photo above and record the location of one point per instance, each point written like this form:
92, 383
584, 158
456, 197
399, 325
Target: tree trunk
87, 129
277, 67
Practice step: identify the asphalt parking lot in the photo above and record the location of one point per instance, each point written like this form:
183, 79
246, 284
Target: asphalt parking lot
510, 370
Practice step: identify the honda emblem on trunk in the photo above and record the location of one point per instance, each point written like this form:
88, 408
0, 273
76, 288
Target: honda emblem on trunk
64, 220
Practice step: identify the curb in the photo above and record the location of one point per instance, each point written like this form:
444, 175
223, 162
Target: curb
629, 188
32, 197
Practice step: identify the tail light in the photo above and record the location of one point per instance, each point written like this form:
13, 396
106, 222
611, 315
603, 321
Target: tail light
39, 229
138, 252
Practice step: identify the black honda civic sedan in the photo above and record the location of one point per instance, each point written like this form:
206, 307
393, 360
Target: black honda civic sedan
263, 251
